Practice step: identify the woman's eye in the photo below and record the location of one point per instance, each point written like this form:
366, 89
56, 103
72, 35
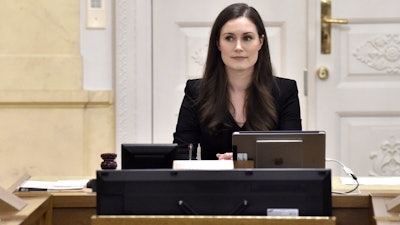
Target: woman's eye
247, 38
229, 38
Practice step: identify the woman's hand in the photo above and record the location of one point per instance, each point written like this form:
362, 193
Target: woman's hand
225, 156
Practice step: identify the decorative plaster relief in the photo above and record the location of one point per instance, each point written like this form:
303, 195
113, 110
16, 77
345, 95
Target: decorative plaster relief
381, 53
124, 28
386, 161
200, 55
196, 47
198, 60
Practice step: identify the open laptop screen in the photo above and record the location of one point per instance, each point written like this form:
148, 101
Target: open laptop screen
281, 149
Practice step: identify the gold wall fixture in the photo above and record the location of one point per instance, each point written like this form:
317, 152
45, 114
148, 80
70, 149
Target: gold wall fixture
326, 22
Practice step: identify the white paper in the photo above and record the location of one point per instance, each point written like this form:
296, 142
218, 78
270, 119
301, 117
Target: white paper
55, 185
203, 164
371, 180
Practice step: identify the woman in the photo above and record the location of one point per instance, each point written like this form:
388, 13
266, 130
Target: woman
238, 90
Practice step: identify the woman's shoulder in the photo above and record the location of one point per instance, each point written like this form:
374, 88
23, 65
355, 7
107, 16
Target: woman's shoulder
285, 87
193, 87
194, 83
285, 82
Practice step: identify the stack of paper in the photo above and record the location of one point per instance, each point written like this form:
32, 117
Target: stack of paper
32, 185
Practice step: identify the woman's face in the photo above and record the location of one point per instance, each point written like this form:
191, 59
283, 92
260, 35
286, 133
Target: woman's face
239, 44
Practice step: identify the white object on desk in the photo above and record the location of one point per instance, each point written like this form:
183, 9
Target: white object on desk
54, 185
203, 164
371, 180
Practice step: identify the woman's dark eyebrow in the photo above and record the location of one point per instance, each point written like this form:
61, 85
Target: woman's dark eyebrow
230, 33
248, 33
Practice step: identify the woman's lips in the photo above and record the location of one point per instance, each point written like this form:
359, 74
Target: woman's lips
239, 57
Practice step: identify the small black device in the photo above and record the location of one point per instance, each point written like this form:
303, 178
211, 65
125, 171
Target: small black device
147, 156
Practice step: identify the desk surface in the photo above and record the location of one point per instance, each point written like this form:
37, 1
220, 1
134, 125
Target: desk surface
37, 211
206, 220
70, 207
365, 189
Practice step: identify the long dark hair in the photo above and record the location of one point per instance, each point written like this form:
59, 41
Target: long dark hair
213, 102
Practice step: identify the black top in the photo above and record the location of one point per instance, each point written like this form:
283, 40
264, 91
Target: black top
190, 131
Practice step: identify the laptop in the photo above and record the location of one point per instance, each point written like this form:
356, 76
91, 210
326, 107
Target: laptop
280, 149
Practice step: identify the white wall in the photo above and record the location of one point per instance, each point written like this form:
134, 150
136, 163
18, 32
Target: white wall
97, 51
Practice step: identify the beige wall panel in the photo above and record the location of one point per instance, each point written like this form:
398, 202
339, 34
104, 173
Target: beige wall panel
40, 45
39, 27
49, 125
99, 136
54, 135
41, 141
40, 72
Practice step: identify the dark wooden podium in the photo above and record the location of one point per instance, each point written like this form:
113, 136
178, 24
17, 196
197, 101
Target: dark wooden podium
79, 207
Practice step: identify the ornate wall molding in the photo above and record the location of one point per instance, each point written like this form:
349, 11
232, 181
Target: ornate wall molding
133, 69
386, 160
381, 53
124, 65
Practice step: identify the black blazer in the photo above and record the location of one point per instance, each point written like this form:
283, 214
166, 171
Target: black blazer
190, 131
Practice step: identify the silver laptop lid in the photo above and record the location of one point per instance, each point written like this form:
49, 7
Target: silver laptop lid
281, 149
